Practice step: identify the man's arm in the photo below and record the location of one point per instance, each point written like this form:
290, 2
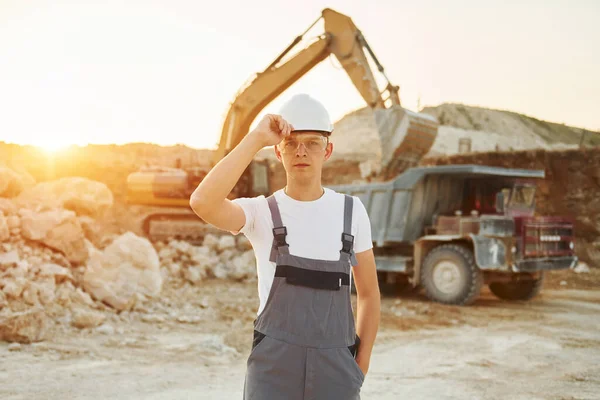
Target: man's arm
209, 201
368, 306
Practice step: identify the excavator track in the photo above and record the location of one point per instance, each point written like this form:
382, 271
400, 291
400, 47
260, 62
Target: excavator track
177, 225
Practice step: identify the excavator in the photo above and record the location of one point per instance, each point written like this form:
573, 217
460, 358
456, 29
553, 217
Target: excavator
405, 135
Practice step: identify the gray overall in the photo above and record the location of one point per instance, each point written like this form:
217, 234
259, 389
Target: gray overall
305, 339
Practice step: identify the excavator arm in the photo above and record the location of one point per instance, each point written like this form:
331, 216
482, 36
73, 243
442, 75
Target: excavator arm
342, 39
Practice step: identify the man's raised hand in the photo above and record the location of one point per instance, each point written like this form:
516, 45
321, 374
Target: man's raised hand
271, 130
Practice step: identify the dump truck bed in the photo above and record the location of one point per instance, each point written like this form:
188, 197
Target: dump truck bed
399, 208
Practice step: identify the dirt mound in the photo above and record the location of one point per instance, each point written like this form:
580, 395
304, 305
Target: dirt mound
518, 127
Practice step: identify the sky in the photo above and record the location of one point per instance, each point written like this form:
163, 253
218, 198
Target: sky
166, 71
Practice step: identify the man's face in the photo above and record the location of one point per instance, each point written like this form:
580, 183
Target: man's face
304, 153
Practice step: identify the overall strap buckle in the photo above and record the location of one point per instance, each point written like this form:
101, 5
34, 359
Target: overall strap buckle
280, 234
347, 243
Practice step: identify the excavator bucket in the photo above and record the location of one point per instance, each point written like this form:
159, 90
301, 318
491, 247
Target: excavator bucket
406, 136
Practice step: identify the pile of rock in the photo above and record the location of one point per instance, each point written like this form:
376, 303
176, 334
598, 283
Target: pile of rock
56, 265
221, 257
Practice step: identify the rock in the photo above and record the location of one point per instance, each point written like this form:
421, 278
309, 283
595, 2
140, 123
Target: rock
58, 273
13, 222
80, 297
203, 303
60, 259
3, 301
9, 258
581, 268
227, 255
91, 230
14, 287
58, 229
25, 327
86, 319
14, 347
4, 229
189, 319
243, 243
18, 271
220, 271
175, 269
215, 343
7, 206
11, 184
151, 318
63, 294
226, 242
105, 329
194, 274
244, 266
30, 294
211, 241
203, 256
563, 283
167, 253
15, 232
46, 289
179, 246
81, 195
127, 266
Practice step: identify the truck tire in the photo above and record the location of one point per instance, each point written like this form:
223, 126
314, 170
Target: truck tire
450, 276
523, 290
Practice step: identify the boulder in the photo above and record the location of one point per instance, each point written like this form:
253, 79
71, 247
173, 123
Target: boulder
13, 222
87, 319
127, 266
81, 195
91, 230
11, 184
59, 229
25, 327
7, 206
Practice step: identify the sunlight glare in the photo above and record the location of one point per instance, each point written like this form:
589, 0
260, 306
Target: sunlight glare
53, 146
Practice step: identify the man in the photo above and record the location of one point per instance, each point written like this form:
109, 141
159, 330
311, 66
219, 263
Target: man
306, 239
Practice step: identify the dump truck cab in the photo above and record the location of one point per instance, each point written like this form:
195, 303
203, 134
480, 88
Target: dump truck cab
451, 229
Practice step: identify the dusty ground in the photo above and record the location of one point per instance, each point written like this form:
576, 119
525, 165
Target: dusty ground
193, 343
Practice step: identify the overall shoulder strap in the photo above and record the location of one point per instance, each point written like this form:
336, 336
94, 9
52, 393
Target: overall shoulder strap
347, 238
279, 231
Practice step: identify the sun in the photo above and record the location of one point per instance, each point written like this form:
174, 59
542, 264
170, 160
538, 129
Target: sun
53, 146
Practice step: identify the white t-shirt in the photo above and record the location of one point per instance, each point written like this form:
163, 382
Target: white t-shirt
314, 230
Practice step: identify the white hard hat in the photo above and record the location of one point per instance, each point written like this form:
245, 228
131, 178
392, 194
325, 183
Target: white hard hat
306, 114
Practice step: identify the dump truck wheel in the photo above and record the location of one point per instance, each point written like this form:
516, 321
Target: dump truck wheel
523, 290
450, 275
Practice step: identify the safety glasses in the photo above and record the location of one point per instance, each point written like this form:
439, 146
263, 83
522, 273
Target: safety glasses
312, 143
